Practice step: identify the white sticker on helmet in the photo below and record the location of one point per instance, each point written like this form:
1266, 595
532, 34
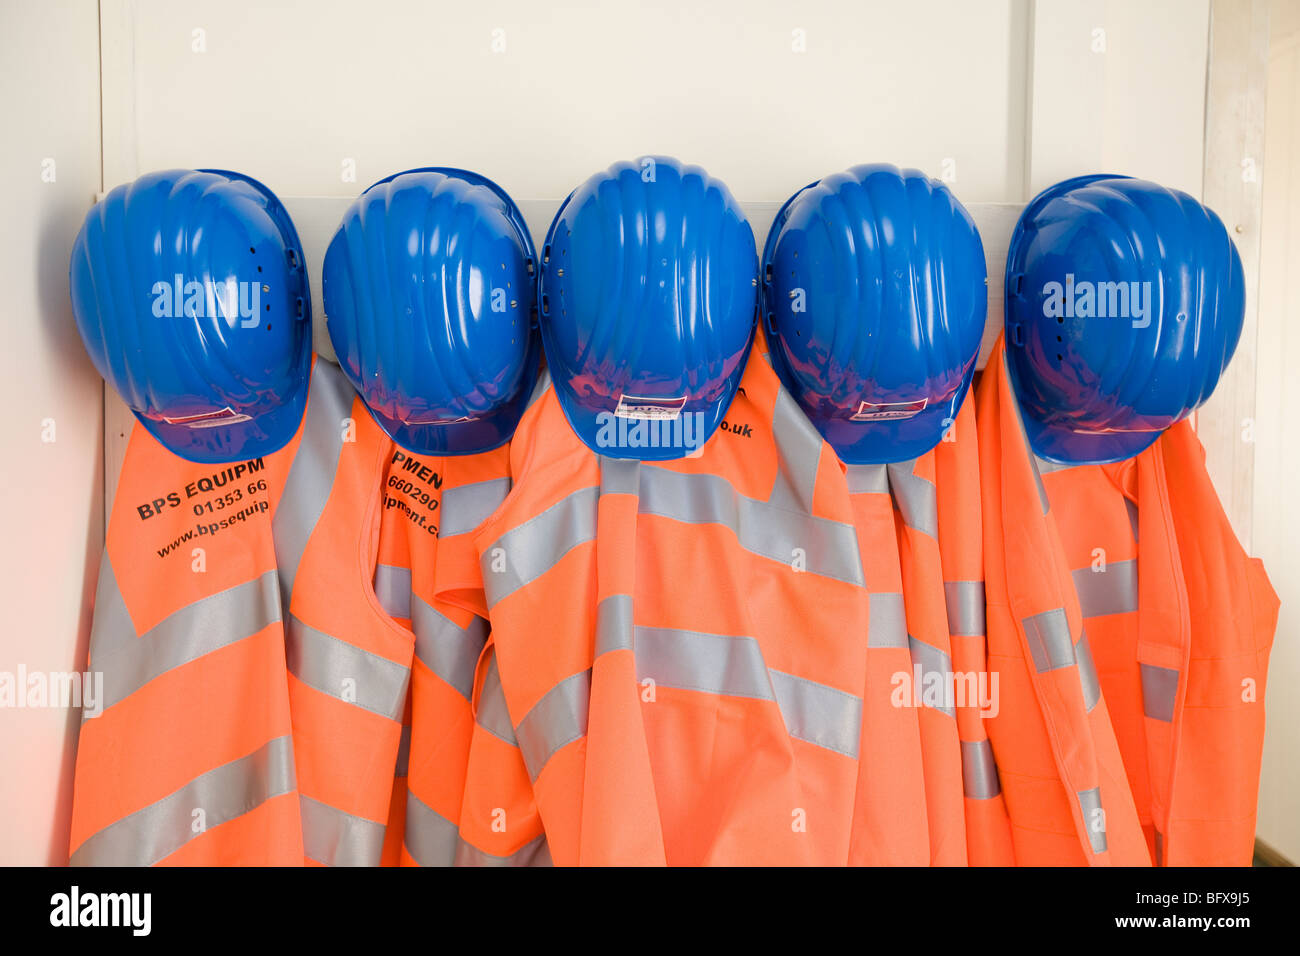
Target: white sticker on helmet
886, 411
655, 409
224, 416
417, 420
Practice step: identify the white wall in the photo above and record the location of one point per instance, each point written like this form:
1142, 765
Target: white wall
51, 500
1277, 453
1001, 97
290, 92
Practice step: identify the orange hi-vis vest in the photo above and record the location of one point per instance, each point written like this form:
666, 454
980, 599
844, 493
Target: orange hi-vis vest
188, 757
909, 491
681, 649
431, 504
1058, 761
1180, 622
392, 584
500, 821
961, 550
935, 581
349, 662
891, 807
910, 641
205, 751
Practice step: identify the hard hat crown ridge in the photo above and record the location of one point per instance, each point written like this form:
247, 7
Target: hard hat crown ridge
430, 295
648, 289
875, 295
1125, 302
190, 292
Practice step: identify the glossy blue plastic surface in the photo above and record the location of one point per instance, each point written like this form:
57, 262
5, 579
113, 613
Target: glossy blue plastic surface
226, 364
1124, 303
430, 291
649, 286
875, 292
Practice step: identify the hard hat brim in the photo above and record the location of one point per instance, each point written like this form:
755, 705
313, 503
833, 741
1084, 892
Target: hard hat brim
241, 441
886, 442
589, 422
454, 438
473, 436
1064, 446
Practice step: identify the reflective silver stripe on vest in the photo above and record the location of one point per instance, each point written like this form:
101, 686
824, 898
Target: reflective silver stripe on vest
1132, 510
867, 479
694, 661
539, 388
393, 588
1046, 467
932, 660
446, 648
403, 752
829, 547
492, 714
554, 722
614, 624
818, 714
1087, 672
732, 666
345, 671
619, 476
965, 604
112, 628
534, 853
688, 660
710, 663
429, 837
798, 450
537, 545
1159, 692
1112, 591
311, 475
1093, 822
187, 634
916, 498
887, 623
335, 838
1050, 644
224, 793
1024, 441
466, 507
979, 771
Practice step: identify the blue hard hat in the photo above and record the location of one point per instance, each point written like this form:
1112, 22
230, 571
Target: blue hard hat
649, 282
1124, 303
430, 296
190, 292
875, 294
